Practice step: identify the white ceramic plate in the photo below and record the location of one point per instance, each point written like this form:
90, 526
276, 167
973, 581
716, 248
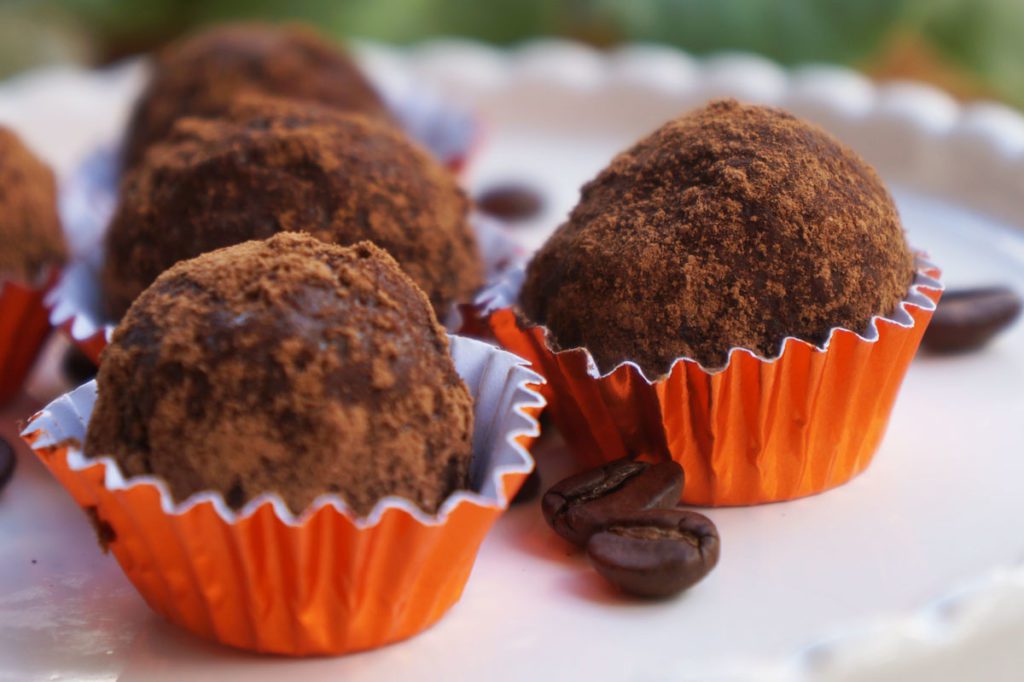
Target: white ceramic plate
911, 571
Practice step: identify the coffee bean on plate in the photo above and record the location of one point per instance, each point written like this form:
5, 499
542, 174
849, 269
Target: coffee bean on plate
7, 460
655, 553
530, 488
967, 319
580, 505
510, 201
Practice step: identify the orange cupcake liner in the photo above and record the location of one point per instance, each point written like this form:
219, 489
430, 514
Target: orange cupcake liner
326, 582
758, 430
24, 327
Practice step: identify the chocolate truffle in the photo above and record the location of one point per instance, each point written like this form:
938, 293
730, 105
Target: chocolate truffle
269, 166
30, 230
289, 366
731, 226
201, 75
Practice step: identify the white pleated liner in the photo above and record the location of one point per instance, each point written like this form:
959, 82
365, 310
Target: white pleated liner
499, 382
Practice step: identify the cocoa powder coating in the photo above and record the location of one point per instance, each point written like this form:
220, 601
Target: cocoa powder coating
288, 366
202, 74
731, 226
272, 165
30, 233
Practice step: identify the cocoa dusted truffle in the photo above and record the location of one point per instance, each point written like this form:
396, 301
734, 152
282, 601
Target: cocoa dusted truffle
731, 226
201, 75
288, 366
30, 231
272, 165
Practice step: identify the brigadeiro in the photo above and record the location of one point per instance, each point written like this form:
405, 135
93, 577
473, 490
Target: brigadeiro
273, 165
734, 291
733, 226
201, 75
288, 366
286, 453
30, 229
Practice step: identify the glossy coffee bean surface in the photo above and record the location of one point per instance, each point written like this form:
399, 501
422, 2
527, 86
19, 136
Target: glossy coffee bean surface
967, 319
655, 553
581, 505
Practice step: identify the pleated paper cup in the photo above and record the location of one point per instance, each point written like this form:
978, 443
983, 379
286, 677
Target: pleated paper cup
759, 429
24, 327
325, 582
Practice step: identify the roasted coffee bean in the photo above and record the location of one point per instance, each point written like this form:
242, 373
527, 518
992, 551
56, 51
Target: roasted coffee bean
967, 319
655, 553
7, 460
77, 367
510, 201
583, 504
530, 488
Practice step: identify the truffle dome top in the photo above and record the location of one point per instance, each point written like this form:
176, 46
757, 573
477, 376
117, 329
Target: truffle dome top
730, 226
288, 366
272, 165
201, 74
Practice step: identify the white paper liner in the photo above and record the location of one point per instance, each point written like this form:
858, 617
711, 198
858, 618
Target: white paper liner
505, 294
498, 381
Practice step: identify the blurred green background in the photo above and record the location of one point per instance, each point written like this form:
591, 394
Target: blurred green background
973, 48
